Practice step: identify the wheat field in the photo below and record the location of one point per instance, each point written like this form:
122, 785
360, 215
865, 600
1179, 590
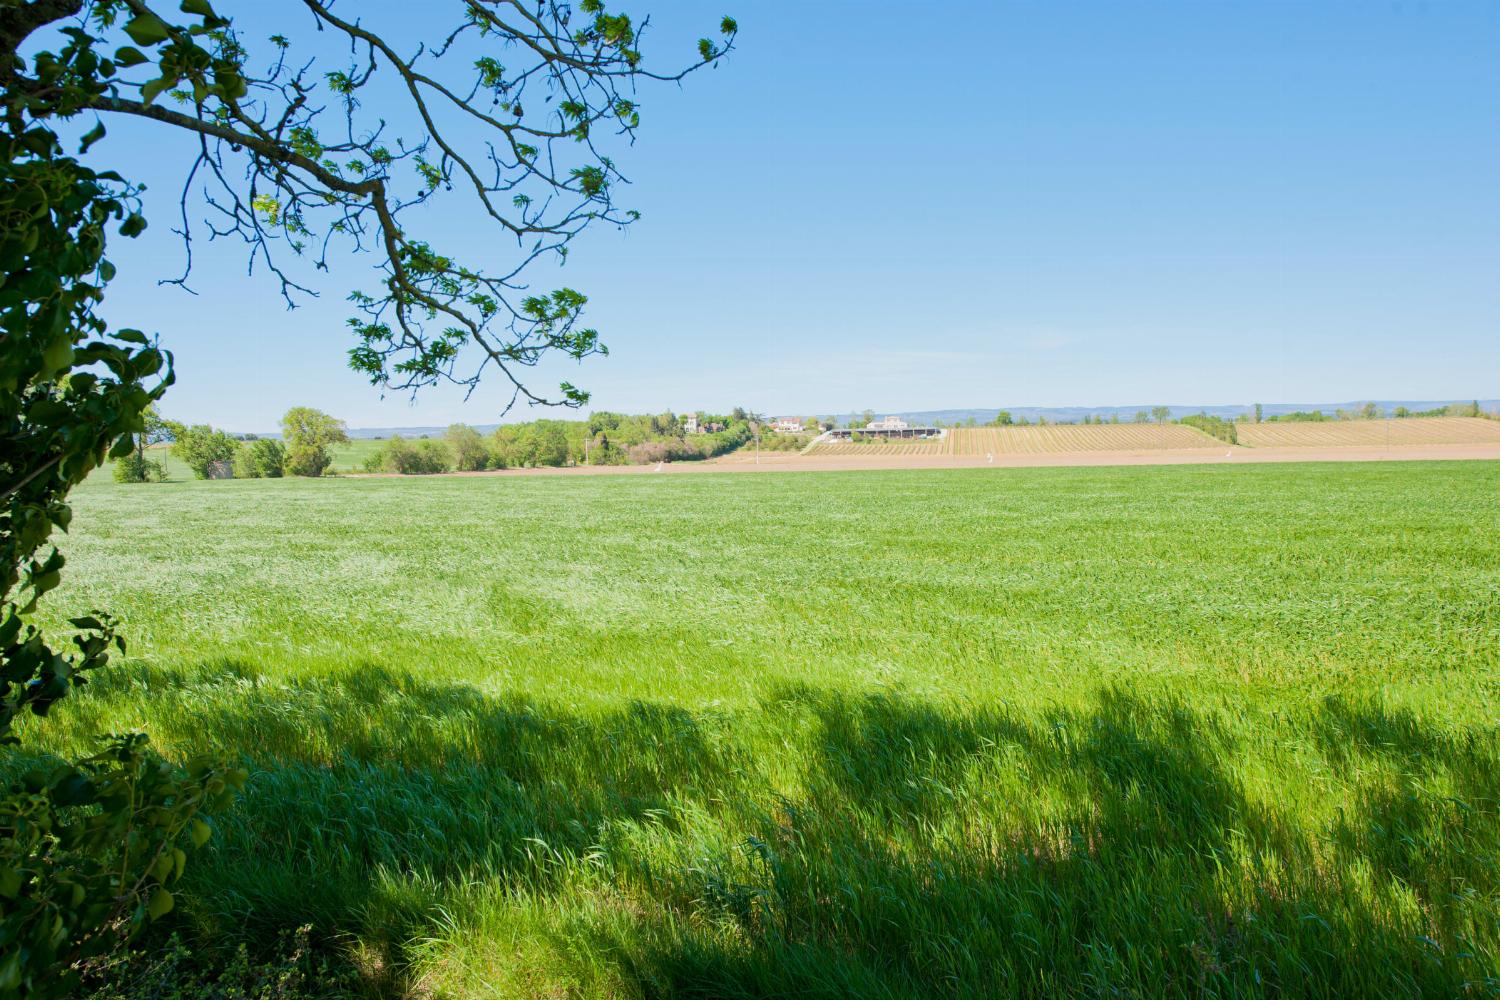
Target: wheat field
1203, 731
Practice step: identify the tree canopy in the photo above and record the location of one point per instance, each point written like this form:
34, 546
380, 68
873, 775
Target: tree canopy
510, 102
292, 161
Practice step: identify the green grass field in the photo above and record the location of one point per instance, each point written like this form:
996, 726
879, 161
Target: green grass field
1143, 731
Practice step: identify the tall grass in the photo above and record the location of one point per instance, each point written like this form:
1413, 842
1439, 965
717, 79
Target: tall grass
1150, 731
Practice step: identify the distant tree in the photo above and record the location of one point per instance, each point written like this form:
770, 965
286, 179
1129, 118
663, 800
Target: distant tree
1161, 413
811, 425
1218, 427
136, 467
200, 447
1114, 418
467, 448
1142, 417
410, 458
1259, 412
308, 433
1003, 419
867, 418
549, 444
1401, 412
262, 458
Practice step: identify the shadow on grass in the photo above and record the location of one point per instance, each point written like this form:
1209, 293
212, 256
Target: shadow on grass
835, 844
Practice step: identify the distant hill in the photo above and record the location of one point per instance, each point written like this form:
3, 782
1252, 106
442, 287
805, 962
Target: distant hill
1055, 414
1073, 414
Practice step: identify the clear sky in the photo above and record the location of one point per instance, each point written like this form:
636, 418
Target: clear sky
912, 206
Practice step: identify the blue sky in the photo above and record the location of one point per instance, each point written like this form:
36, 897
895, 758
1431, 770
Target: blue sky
909, 207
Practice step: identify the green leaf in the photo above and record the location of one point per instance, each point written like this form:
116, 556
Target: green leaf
151, 88
134, 225
199, 7
200, 831
90, 137
160, 905
147, 29
127, 55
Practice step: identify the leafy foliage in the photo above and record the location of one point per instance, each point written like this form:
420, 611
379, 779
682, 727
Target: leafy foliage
292, 972
262, 458
89, 850
90, 847
78, 866
297, 166
308, 433
1214, 426
410, 458
201, 447
134, 468
467, 448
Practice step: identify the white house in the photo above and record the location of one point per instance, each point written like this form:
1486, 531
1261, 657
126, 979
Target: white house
690, 423
787, 425
887, 424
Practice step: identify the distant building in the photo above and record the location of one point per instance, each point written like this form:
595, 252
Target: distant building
690, 424
887, 428
787, 425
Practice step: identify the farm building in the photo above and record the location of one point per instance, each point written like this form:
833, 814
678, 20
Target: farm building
787, 425
885, 427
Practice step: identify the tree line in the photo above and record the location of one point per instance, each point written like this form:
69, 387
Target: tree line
306, 435
1371, 411
605, 438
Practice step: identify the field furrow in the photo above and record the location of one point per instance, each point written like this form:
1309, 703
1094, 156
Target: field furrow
1057, 438
1371, 433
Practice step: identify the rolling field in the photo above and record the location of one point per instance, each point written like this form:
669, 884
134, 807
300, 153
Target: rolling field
1198, 730
880, 448
1035, 440
1075, 437
1374, 433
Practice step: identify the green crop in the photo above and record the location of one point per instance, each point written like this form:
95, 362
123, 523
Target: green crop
1148, 731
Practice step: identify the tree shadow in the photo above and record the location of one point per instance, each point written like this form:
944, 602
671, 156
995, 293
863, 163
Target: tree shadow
837, 844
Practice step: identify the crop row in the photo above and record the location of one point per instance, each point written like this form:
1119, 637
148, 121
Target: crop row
1372, 433
1074, 437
